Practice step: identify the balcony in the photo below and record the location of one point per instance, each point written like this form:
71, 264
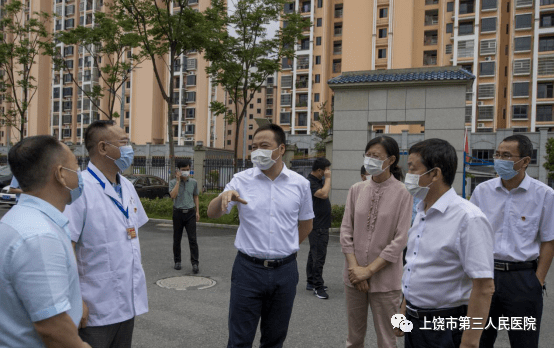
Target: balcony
431, 17
337, 67
302, 84
430, 38
305, 7
338, 13
301, 103
430, 58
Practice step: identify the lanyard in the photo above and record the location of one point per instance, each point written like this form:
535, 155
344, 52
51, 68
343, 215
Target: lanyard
124, 211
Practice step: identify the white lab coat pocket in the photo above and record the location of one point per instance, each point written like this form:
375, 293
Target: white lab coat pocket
101, 292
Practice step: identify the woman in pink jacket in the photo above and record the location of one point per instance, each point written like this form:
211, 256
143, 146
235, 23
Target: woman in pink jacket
373, 234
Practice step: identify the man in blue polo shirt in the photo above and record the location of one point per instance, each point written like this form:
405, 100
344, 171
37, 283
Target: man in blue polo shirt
41, 299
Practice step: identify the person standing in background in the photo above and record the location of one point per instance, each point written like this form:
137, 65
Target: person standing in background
363, 173
320, 186
184, 191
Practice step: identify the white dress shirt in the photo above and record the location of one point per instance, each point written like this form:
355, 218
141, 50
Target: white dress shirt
269, 223
447, 247
112, 280
521, 218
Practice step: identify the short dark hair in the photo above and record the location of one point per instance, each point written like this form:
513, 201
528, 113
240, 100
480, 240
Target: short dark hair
30, 158
183, 163
320, 164
525, 147
363, 171
438, 153
278, 132
92, 131
391, 147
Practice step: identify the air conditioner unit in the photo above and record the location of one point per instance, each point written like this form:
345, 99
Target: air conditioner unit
283, 110
480, 103
481, 124
488, 58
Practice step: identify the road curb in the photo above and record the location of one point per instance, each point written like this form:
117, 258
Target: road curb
222, 226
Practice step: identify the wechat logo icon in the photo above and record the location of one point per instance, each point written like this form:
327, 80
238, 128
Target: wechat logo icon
400, 321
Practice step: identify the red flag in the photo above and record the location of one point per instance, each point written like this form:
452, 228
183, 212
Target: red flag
466, 146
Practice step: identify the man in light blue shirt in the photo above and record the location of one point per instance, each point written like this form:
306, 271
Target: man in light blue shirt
40, 296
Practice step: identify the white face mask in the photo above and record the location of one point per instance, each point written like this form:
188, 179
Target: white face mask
261, 158
374, 166
412, 185
185, 173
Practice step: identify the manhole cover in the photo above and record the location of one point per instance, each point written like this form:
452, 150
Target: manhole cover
182, 283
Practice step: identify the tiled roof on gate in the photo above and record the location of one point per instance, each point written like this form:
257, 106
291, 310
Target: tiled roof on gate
402, 75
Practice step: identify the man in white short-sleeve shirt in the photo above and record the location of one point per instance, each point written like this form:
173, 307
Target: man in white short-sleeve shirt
520, 210
449, 264
275, 212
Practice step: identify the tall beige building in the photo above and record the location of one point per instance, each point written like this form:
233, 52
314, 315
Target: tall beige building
507, 45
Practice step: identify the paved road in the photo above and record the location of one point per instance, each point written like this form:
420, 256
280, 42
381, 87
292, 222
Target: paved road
198, 318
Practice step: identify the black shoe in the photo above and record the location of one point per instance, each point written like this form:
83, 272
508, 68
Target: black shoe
310, 287
177, 266
195, 269
321, 294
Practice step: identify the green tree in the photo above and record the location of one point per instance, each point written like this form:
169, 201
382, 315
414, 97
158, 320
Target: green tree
241, 53
325, 126
108, 41
22, 41
549, 164
167, 29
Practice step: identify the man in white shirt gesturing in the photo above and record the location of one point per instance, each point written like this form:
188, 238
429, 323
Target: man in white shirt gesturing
275, 211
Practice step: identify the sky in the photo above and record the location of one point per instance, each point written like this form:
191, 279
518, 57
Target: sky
272, 28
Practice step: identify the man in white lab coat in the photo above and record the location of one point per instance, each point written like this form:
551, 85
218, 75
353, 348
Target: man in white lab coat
104, 225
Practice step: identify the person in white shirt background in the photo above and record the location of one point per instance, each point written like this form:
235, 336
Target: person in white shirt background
275, 212
449, 262
104, 225
520, 209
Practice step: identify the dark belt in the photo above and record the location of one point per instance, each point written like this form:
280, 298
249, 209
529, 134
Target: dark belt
513, 266
184, 210
419, 313
269, 263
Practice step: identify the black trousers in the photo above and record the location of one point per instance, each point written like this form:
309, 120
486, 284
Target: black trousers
262, 293
319, 239
424, 338
118, 335
517, 294
185, 221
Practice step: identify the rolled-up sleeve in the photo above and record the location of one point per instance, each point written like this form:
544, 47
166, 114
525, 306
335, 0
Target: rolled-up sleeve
476, 241
306, 205
393, 250
40, 276
347, 225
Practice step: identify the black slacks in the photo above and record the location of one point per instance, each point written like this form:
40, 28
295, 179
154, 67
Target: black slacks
185, 221
118, 335
319, 239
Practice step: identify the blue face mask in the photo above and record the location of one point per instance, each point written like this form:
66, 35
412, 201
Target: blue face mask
505, 169
125, 158
76, 192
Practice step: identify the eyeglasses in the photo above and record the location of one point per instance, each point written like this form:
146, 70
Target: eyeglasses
505, 156
373, 156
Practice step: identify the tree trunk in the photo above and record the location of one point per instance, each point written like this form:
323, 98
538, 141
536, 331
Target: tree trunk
235, 155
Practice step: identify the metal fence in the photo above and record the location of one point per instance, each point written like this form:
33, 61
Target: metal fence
303, 167
219, 172
155, 166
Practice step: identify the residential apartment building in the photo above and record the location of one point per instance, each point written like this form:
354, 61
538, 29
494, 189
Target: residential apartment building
507, 45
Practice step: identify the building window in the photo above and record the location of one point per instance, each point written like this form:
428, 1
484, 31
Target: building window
449, 27
486, 112
430, 37
488, 47
284, 118
317, 78
258, 111
249, 137
521, 89
250, 127
251, 116
546, 43
317, 59
382, 33
467, 6
522, 66
316, 116
383, 12
486, 68
319, 3
431, 2
520, 129
465, 28
544, 112
544, 90
488, 24
450, 7
523, 44
448, 49
228, 142
319, 22
259, 100
524, 21
251, 106
318, 41
316, 97
547, 20
430, 57
488, 5
229, 132
432, 17
382, 53
519, 111
191, 80
485, 91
